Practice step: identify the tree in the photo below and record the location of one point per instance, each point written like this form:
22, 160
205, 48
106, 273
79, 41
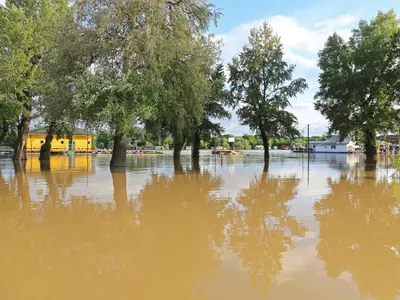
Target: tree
214, 108
184, 104
241, 144
147, 63
359, 80
261, 85
27, 34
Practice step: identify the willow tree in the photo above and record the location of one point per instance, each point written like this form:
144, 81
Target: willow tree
186, 89
262, 85
359, 80
144, 51
185, 73
27, 38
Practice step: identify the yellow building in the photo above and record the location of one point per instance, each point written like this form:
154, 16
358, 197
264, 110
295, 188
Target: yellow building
81, 141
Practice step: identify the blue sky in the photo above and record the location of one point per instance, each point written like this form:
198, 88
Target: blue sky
304, 26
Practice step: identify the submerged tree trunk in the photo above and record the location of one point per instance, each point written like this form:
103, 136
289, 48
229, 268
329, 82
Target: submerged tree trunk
45, 149
196, 164
178, 168
3, 132
370, 144
178, 146
196, 144
264, 138
118, 158
23, 131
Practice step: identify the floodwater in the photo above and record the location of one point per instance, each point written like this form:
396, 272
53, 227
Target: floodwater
327, 229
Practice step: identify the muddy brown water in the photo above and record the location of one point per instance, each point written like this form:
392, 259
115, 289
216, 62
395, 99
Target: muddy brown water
327, 229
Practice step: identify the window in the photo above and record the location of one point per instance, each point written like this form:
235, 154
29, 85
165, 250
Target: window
62, 142
333, 147
88, 142
41, 141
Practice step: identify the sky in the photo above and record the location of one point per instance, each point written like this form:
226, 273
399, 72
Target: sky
304, 26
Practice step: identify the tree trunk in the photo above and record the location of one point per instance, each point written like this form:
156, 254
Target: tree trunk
119, 183
178, 168
196, 164
3, 132
178, 146
118, 158
266, 166
45, 149
23, 131
370, 166
196, 144
264, 138
370, 144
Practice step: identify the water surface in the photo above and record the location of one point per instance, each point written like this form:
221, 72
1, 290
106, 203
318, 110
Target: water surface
324, 229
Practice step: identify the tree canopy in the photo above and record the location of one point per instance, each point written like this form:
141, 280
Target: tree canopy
262, 86
358, 84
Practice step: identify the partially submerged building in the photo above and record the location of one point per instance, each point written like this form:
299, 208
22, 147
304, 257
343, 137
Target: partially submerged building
81, 141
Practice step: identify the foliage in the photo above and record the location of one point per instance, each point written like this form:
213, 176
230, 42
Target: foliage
241, 144
28, 31
215, 103
396, 165
359, 79
261, 85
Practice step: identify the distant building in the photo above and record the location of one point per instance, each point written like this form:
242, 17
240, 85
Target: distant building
81, 141
333, 145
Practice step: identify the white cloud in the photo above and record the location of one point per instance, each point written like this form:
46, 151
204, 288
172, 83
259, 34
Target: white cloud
294, 37
301, 45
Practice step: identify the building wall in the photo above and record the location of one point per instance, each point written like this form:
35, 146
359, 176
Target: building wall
341, 148
35, 141
80, 143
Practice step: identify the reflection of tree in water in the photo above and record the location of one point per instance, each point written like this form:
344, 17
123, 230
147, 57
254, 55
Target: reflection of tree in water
159, 247
7, 194
360, 233
182, 232
263, 230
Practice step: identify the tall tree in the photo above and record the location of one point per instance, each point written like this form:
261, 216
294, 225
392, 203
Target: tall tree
261, 85
144, 66
359, 80
27, 38
214, 108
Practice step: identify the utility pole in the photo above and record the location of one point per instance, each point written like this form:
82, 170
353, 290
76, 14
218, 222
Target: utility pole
308, 154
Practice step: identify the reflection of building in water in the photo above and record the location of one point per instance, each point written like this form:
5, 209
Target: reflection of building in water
359, 233
170, 242
78, 163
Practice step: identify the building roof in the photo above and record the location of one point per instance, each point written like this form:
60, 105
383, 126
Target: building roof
77, 131
334, 139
